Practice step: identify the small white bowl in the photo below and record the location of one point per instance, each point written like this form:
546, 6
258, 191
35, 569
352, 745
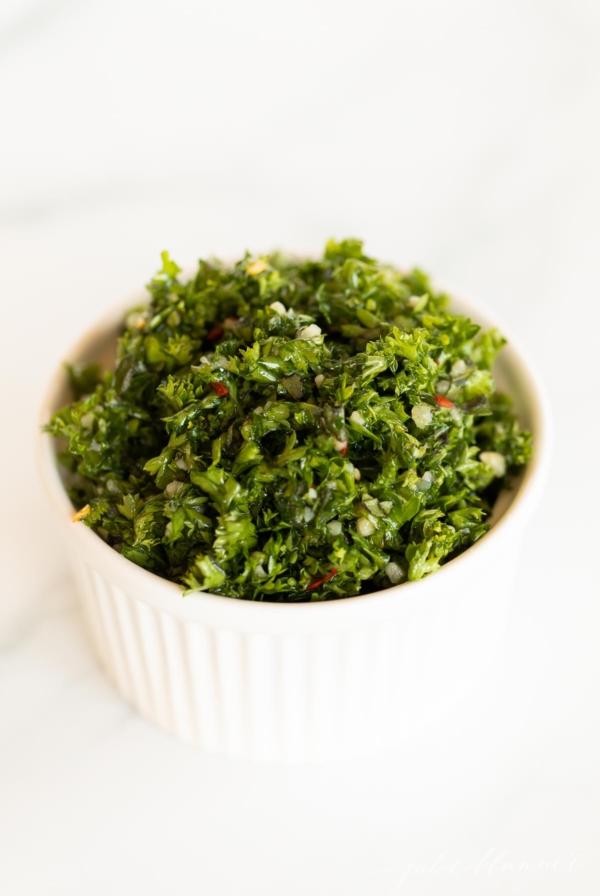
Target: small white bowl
298, 682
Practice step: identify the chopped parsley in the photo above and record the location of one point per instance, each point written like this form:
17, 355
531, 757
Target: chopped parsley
291, 430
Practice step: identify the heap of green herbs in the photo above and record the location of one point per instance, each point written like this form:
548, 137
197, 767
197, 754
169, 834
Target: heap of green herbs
289, 430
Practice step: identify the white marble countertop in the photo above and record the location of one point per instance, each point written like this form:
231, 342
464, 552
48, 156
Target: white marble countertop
463, 137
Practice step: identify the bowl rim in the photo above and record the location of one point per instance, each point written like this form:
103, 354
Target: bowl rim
222, 610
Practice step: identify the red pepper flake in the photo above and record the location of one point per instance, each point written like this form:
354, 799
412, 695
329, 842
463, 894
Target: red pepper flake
344, 450
215, 333
443, 402
220, 389
322, 581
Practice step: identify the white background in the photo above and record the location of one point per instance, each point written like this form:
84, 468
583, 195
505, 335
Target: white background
461, 136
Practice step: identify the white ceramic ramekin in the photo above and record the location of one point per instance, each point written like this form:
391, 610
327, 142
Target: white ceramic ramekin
297, 682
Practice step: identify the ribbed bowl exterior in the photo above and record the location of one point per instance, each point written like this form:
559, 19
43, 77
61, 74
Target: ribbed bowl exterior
296, 697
